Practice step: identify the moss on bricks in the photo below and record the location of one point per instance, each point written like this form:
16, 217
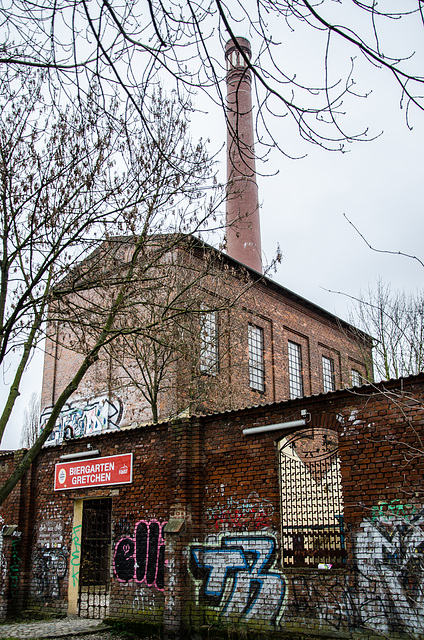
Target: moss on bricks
138, 628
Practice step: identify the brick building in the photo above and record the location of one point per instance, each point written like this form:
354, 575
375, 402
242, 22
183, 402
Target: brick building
269, 345
263, 499
249, 341
302, 514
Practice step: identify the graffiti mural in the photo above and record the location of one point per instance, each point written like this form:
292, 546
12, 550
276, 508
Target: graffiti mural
390, 561
385, 593
247, 514
142, 557
237, 577
49, 570
82, 418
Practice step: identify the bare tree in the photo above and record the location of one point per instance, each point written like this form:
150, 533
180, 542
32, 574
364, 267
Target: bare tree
149, 362
174, 361
396, 321
31, 422
70, 183
132, 45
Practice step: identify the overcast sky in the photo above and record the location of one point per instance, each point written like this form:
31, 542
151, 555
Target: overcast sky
377, 185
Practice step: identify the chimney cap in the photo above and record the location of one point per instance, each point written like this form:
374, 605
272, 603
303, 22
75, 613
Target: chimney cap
242, 42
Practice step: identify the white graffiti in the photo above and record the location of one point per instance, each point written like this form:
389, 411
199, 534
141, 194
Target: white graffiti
50, 568
390, 562
82, 418
246, 514
235, 578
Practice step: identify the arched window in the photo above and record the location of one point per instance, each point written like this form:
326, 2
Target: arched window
312, 530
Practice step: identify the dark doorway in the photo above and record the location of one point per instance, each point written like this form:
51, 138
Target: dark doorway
95, 558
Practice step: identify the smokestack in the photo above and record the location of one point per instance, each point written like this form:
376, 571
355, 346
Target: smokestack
243, 224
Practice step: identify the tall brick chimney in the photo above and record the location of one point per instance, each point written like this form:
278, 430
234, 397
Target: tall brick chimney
242, 219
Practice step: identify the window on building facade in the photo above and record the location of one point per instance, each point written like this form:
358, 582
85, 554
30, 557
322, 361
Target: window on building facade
256, 358
295, 370
209, 343
312, 530
356, 378
328, 374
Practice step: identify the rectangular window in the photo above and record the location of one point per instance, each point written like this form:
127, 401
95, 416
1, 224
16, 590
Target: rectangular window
356, 378
209, 343
328, 374
295, 370
256, 358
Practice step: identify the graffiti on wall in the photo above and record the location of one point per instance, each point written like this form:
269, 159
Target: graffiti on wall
50, 533
123, 527
236, 576
395, 509
390, 561
326, 597
386, 591
49, 571
82, 418
3, 561
247, 514
76, 554
142, 557
50, 561
15, 562
9, 567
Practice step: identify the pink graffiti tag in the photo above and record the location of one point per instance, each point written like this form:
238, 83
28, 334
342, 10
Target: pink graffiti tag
142, 557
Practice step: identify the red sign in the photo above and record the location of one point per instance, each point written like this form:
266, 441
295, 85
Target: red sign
95, 472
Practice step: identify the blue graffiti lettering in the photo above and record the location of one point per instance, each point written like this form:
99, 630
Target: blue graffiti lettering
235, 577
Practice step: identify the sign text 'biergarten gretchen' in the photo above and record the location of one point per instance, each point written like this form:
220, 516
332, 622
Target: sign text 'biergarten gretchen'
95, 472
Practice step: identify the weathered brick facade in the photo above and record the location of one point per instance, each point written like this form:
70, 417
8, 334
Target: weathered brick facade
243, 298
198, 539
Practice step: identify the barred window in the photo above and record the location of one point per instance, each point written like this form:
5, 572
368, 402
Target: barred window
256, 358
356, 378
328, 374
312, 530
295, 370
209, 343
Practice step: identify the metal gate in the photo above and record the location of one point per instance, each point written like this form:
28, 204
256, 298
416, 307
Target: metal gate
311, 499
93, 601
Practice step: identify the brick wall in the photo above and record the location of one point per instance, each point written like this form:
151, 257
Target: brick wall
197, 538
15, 537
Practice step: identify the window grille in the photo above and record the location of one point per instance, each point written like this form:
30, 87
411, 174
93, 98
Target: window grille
209, 343
295, 370
311, 500
328, 374
256, 358
356, 378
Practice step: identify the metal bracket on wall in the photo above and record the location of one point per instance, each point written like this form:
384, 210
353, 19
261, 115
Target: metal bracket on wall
174, 525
